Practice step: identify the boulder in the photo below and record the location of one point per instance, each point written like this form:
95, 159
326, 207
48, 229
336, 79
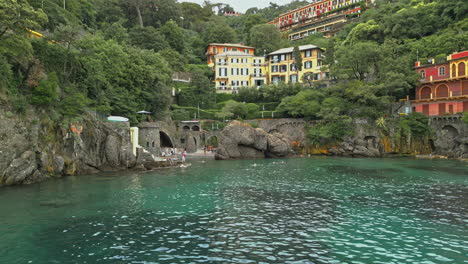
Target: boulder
19, 169
240, 140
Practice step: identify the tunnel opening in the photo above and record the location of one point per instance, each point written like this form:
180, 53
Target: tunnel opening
165, 140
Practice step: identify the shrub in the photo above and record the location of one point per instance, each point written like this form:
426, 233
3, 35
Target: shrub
465, 117
330, 131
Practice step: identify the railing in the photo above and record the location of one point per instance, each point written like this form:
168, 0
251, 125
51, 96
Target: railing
451, 94
257, 75
228, 87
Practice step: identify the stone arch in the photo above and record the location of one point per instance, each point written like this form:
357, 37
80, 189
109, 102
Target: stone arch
212, 141
164, 140
442, 91
425, 92
450, 131
461, 69
273, 131
186, 128
454, 70
195, 128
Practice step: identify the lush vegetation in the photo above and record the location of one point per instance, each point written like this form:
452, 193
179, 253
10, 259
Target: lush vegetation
117, 57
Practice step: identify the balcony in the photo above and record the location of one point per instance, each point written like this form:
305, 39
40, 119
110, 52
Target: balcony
260, 75
221, 63
452, 95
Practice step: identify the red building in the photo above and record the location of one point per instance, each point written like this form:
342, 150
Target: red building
443, 87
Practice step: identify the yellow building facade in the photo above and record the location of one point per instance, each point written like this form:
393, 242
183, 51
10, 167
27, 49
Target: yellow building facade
234, 70
282, 68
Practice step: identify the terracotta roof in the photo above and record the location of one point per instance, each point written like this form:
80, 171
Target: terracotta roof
230, 45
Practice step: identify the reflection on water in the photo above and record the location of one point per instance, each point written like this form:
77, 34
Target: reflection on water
303, 211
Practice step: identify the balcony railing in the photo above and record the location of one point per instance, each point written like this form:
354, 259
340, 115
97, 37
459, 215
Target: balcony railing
450, 95
258, 75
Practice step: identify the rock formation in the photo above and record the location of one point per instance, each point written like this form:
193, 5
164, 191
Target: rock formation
33, 148
240, 140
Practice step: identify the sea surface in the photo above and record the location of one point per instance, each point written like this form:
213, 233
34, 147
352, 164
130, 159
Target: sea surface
304, 210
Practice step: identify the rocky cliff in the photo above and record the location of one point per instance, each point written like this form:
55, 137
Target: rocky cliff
240, 140
34, 148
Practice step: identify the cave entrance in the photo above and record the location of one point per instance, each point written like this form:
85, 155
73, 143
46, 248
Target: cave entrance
165, 140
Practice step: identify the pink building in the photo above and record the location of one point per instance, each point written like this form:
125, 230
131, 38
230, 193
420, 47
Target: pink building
443, 87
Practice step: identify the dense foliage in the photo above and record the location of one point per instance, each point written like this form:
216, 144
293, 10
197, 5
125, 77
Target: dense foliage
117, 57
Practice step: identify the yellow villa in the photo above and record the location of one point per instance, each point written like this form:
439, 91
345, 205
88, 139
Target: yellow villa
281, 65
235, 69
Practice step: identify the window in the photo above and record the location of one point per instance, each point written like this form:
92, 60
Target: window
244, 60
283, 68
246, 51
292, 67
213, 49
319, 63
283, 57
293, 78
224, 49
274, 68
234, 49
275, 59
275, 79
308, 53
308, 64
223, 72
423, 74
234, 71
441, 71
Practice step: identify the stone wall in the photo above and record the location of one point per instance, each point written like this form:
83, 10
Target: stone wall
451, 137
148, 137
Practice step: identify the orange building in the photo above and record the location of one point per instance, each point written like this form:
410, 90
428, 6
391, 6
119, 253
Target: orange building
443, 87
217, 48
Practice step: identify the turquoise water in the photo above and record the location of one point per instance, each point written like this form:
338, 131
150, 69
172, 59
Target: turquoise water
309, 210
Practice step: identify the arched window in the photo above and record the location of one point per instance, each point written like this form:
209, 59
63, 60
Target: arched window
441, 71
442, 91
454, 71
461, 69
425, 93
423, 74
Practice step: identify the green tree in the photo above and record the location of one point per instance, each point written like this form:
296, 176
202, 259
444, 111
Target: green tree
16, 16
297, 59
217, 31
266, 38
148, 38
46, 92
